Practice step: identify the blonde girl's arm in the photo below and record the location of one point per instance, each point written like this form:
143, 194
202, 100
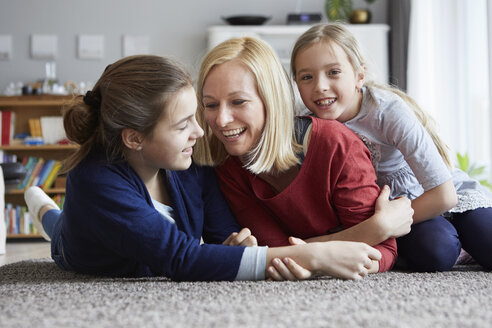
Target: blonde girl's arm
434, 202
391, 219
339, 259
414, 134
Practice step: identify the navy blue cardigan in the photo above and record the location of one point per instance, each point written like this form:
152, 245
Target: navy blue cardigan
111, 227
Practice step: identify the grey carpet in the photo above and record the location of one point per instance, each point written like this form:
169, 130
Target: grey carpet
36, 293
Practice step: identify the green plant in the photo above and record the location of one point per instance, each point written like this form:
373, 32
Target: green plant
472, 169
338, 9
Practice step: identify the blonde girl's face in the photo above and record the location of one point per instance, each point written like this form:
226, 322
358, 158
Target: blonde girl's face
233, 108
327, 82
171, 144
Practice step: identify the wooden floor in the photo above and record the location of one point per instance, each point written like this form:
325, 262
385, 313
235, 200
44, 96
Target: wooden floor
25, 250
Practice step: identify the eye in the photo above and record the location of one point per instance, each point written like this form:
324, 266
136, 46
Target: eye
211, 105
306, 77
238, 102
334, 72
183, 127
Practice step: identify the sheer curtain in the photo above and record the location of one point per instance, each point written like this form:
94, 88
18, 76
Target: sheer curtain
448, 72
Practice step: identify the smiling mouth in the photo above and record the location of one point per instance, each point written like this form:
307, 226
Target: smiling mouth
188, 150
233, 133
325, 102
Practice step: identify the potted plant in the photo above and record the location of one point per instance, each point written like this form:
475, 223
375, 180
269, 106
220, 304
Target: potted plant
474, 171
338, 9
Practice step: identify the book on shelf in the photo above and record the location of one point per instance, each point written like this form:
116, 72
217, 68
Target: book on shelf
18, 219
52, 175
52, 129
29, 163
43, 174
35, 127
7, 127
39, 172
35, 171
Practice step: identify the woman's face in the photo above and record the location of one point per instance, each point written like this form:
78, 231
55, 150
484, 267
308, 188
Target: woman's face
170, 145
233, 108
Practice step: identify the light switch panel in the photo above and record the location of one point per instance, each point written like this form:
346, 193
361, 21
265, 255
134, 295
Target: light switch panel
90, 46
44, 46
5, 47
135, 45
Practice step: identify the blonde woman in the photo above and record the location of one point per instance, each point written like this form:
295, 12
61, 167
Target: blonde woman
408, 154
278, 183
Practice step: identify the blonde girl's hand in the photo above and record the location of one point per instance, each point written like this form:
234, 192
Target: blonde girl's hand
241, 238
344, 259
395, 216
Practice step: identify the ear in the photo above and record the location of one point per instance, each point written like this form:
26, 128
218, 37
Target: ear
360, 77
132, 139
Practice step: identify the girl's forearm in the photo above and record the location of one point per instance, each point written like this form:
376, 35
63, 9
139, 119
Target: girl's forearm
299, 253
342, 259
368, 231
434, 202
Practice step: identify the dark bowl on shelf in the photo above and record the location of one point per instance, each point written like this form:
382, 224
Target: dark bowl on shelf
246, 20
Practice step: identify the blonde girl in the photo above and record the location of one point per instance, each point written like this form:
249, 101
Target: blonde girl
407, 153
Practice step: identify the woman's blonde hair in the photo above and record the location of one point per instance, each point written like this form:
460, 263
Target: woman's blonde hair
131, 93
277, 148
338, 33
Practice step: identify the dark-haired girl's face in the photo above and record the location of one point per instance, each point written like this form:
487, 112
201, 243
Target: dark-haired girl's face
171, 144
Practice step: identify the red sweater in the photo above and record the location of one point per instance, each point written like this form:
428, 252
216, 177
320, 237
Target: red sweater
335, 188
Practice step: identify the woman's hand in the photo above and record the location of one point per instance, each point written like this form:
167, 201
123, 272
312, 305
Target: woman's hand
288, 269
395, 217
241, 238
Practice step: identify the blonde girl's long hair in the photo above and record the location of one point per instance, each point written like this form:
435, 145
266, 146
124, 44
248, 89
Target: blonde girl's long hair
277, 148
338, 33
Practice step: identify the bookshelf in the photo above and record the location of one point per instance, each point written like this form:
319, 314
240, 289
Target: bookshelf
26, 107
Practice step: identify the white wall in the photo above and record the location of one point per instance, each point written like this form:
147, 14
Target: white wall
175, 28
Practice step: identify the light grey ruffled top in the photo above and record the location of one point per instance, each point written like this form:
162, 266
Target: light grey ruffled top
404, 155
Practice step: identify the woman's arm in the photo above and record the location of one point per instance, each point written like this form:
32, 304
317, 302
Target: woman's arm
434, 202
391, 219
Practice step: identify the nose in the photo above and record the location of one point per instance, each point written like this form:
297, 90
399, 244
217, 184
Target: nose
322, 83
197, 130
224, 116
198, 133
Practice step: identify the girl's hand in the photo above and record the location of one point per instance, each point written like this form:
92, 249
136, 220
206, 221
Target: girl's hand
396, 216
241, 238
287, 269
344, 259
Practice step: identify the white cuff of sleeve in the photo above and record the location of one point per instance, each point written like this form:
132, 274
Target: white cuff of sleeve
253, 264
